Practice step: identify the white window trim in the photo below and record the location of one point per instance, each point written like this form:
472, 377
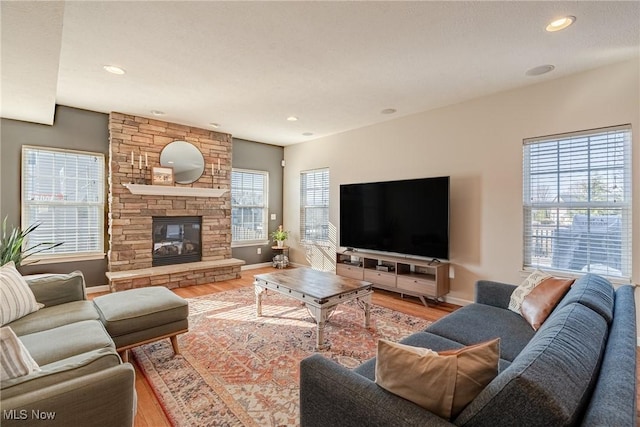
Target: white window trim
626, 206
42, 258
316, 243
259, 242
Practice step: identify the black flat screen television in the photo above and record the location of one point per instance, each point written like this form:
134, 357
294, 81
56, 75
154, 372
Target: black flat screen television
409, 217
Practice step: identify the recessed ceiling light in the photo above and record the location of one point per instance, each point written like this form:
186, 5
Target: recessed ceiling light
388, 111
561, 24
157, 112
113, 69
292, 118
214, 125
542, 69
307, 134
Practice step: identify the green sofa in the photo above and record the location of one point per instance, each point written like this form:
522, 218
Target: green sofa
82, 380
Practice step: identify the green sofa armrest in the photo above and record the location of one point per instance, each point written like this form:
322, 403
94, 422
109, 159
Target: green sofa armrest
102, 398
332, 395
55, 289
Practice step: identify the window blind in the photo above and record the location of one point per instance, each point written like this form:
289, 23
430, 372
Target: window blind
63, 191
577, 202
314, 206
249, 205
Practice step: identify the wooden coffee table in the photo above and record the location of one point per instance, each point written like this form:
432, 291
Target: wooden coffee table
320, 291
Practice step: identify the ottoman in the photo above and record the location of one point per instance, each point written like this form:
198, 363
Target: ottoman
139, 316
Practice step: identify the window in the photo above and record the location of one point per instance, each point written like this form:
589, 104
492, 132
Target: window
577, 202
314, 206
249, 206
64, 190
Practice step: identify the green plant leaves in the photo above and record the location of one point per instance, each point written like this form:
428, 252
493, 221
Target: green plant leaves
13, 241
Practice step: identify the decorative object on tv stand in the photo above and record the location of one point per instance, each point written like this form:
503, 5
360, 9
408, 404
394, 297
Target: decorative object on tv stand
162, 175
279, 236
186, 160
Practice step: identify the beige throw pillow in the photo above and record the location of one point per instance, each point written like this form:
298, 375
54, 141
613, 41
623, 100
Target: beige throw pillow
442, 383
16, 298
15, 360
520, 293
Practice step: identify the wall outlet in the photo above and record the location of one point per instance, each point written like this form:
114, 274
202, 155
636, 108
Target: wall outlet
259, 251
273, 217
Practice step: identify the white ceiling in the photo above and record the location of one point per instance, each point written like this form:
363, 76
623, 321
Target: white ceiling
335, 65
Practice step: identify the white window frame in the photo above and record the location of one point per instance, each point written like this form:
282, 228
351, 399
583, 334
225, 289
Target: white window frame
265, 211
322, 202
52, 232
605, 202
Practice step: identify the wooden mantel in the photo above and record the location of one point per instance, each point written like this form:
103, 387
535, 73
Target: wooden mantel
169, 190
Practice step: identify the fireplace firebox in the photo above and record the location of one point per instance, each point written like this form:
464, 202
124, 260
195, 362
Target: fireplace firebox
176, 240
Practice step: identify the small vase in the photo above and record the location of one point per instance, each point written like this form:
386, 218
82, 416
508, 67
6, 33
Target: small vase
280, 243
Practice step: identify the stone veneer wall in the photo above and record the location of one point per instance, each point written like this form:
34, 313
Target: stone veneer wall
130, 215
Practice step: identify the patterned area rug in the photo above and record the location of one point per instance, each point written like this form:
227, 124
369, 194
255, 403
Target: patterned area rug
240, 370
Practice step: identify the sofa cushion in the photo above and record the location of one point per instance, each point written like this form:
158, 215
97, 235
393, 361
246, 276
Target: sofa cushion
55, 316
610, 404
479, 322
66, 341
16, 299
55, 289
550, 382
594, 292
15, 360
443, 383
62, 370
542, 299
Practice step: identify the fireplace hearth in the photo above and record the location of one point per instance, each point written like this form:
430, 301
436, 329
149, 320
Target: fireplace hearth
176, 240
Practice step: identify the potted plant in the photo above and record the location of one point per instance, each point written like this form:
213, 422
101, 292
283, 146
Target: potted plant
12, 242
279, 236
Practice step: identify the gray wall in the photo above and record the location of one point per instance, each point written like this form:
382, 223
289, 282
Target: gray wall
72, 129
263, 157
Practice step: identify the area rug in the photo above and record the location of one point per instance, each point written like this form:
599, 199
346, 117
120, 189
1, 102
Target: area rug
237, 369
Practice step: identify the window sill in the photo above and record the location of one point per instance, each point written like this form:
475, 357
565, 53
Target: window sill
248, 244
615, 280
64, 258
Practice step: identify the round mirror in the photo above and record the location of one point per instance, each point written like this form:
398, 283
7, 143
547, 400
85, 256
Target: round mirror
185, 159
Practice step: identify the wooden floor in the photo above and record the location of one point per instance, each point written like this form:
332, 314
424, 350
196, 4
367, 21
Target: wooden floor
150, 413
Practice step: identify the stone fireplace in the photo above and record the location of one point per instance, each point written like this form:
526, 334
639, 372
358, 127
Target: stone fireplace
134, 238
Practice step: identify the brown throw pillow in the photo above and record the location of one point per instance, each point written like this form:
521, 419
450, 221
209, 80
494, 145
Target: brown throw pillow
444, 383
541, 301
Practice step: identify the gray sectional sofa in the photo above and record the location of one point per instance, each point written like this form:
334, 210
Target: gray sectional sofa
579, 368
82, 381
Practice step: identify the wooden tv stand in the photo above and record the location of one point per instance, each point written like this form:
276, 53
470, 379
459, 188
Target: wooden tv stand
409, 276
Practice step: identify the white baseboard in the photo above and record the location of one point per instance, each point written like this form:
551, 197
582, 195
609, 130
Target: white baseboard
457, 301
255, 266
99, 288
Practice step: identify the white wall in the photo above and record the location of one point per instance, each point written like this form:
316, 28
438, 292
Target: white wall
479, 144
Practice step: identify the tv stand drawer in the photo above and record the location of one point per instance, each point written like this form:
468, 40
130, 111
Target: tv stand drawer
350, 271
380, 278
419, 286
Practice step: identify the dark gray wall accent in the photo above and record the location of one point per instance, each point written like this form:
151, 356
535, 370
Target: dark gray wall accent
72, 129
263, 157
